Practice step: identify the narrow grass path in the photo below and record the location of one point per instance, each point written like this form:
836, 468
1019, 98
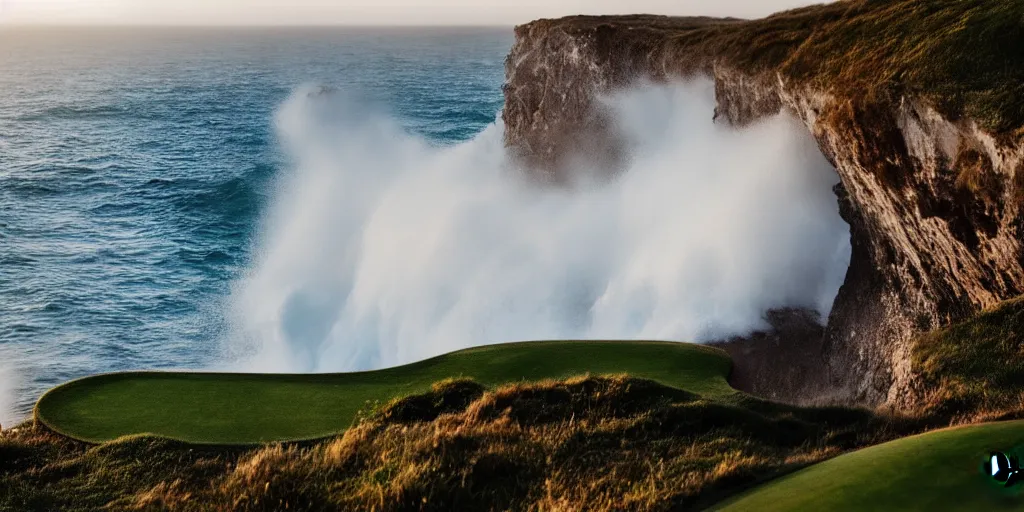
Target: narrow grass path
937, 471
220, 408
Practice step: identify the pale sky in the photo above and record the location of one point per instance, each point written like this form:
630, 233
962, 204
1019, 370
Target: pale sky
359, 12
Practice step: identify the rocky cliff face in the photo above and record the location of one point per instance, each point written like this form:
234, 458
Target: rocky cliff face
933, 200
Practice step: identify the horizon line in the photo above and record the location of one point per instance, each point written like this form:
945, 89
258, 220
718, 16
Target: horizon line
254, 25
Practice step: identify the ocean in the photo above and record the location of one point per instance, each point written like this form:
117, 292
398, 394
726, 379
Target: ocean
320, 200
136, 164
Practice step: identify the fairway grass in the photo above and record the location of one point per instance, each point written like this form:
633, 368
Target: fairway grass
224, 408
939, 470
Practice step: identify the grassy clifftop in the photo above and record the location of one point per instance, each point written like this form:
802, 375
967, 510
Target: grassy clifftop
216, 408
595, 443
962, 56
974, 370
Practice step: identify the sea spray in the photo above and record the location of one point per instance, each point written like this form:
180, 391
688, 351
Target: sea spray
8, 390
382, 249
134, 170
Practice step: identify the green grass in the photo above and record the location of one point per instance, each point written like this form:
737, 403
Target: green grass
601, 443
962, 56
973, 370
969, 372
940, 470
218, 408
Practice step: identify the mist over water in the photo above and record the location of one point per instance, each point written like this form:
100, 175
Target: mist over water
382, 247
165, 205
8, 388
136, 164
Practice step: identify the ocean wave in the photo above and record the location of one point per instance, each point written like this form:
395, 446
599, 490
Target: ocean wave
73, 112
382, 248
132, 189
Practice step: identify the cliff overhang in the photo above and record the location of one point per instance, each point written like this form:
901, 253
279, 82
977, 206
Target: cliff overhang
919, 105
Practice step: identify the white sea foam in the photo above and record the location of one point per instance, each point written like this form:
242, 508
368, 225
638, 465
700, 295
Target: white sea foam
381, 248
8, 391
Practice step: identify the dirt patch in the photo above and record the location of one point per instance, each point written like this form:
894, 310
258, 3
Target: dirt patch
785, 363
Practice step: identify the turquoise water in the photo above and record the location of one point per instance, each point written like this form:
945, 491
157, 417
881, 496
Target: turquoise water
135, 166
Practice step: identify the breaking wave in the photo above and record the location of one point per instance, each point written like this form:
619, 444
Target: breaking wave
8, 389
382, 248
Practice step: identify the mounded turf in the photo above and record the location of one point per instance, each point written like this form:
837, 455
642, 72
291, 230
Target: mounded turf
940, 470
221, 408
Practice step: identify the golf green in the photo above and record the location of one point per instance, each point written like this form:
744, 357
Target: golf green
223, 408
940, 470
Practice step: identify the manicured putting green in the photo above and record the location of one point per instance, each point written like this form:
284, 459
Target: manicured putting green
937, 471
220, 408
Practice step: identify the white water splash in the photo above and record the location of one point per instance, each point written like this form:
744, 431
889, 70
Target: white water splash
8, 391
382, 249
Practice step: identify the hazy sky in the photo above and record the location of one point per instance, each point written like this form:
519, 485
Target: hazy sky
353, 12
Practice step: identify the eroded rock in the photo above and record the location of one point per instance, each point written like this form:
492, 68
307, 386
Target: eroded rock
933, 203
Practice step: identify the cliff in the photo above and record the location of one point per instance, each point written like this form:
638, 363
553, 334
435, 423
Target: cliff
918, 104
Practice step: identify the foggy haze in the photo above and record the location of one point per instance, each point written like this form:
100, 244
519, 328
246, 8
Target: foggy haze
358, 12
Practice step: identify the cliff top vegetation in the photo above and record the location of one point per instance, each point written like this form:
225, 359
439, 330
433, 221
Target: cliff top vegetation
964, 57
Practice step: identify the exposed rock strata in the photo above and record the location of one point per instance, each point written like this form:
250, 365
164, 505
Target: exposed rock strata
933, 203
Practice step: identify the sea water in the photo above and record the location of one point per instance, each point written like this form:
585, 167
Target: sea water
314, 200
135, 164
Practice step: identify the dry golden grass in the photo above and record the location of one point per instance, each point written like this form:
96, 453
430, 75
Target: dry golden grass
963, 56
587, 443
973, 371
